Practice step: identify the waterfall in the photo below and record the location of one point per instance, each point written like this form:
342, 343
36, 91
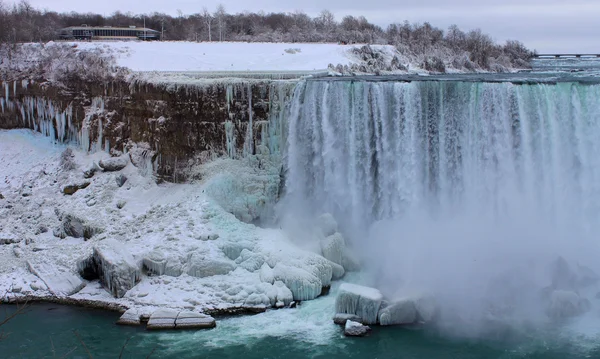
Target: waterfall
469, 190
368, 151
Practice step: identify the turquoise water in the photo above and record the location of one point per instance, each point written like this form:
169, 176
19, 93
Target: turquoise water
48, 331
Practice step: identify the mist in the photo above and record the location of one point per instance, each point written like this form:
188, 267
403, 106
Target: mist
482, 196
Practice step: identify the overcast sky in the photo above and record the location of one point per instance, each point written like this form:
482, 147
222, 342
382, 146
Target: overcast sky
546, 25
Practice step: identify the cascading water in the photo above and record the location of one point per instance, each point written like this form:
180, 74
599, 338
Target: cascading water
469, 190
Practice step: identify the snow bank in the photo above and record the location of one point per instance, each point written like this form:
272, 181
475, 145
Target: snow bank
227, 56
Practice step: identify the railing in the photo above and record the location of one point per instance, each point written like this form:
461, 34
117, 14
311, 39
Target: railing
564, 56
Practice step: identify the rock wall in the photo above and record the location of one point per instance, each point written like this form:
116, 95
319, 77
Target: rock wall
170, 124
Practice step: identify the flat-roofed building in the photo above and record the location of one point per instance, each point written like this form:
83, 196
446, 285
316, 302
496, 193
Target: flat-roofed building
85, 32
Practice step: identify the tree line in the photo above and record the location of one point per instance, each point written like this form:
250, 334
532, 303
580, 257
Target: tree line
423, 43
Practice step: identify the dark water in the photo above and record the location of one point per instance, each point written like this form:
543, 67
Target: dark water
53, 331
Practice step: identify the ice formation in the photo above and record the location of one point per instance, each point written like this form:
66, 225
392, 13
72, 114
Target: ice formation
359, 300
398, 312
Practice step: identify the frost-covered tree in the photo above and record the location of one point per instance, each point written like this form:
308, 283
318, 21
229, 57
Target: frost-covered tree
208, 19
220, 16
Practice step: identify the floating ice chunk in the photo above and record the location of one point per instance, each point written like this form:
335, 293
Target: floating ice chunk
60, 281
113, 164
402, 311
359, 300
304, 285
163, 319
355, 329
327, 224
130, 317
193, 320
200, 265
116, 267
333, 247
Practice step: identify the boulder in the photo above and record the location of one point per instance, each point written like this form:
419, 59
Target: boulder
333, 247
74, 226
163, 319
359, 300
113, 164
115, 267
121, 179
89, 173
193, 320
337, 271
130, 317
355, 329
402, 311
72, 188
159, 262
60, 281
304, 285
9, 238
327, 224
342, 318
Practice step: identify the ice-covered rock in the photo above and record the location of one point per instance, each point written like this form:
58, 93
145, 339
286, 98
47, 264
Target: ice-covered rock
113, 164
359, 300
284, 294
9, 238
72, 188
342, 318
250, 261
121, 179
402, 311
115, 266
337, 271
60, 281
90, 171
266, 274
355, 329
162, 262
163, 319
75, 226
201, 265
304, 285
566, 304
194, 320
130, 317
327, 224
333, 247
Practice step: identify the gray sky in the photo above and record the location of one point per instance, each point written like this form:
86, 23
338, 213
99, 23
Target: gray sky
545, 25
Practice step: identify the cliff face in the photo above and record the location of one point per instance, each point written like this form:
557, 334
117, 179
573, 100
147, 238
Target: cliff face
173, 124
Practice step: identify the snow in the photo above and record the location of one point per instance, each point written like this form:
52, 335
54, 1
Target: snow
227, 56
186, 251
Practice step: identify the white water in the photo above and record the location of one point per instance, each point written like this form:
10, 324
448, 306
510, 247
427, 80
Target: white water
467, 190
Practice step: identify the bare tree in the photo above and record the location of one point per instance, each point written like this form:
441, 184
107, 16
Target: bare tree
220, 16
208, 19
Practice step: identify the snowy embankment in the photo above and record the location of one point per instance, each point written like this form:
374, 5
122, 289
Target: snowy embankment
122, 240
222, 57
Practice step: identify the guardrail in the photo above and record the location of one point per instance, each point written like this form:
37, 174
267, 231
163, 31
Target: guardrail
564, 56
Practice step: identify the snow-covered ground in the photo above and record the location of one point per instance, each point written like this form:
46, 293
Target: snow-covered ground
228, 56
211, 260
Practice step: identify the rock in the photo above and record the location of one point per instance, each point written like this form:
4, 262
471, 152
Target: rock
114, 265
9, 238
59, 281
333, 247
337, 271
158, 262
121, 179
91, 202
193, 320
89, 173
163, 319
359, 300
200, 266
18, 252
113, 164
42, 228
402, 311
16, 289
566, 304
74, 226
304, 285
355, 329
72, 188
1, 196
327, 224
342, 318
208, 237
130, 317
121, 203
